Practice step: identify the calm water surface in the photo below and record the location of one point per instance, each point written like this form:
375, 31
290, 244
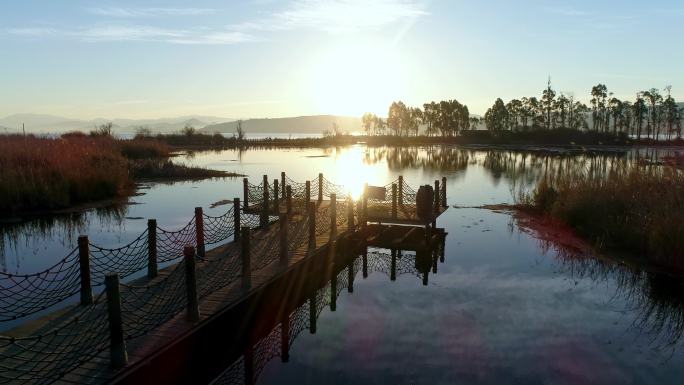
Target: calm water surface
502, 308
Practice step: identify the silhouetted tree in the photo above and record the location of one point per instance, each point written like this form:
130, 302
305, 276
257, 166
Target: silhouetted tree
497, 116
653, 97
639, 110
547, 102
368, 122
599, 94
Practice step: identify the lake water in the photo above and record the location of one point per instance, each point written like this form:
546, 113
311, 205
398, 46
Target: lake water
504, 307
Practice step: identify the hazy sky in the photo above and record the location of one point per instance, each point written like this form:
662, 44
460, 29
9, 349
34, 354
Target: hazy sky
267, 58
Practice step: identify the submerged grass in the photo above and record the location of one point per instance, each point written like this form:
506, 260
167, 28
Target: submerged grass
164, 169
639, 209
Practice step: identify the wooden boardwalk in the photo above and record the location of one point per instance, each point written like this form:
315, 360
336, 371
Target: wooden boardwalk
157, 312
98, 370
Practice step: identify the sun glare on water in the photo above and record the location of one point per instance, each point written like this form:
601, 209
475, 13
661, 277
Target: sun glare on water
353, 173
356, 78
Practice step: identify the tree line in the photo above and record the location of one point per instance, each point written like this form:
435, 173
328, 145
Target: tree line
446, 118
651, 115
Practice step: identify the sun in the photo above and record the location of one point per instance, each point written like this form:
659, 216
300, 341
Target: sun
354, 78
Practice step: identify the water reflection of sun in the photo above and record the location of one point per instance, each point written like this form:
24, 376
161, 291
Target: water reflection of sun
353, 173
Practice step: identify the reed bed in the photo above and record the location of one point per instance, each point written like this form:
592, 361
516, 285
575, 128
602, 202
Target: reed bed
634, 208
44, 174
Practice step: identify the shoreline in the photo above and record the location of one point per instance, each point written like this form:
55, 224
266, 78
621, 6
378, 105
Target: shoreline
203, 143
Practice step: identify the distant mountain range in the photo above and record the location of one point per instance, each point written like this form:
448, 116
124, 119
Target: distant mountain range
300, 124
40, 123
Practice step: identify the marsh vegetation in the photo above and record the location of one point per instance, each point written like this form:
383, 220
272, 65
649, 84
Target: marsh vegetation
43, 174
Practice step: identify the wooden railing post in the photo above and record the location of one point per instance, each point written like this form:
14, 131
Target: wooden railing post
84, 270
312, 314
442, 248
245, 256
444, 192
350, 277
191, 284
276, 201
263, 215
285, 337
320, 187
288, 202
365, 263
266, 195
283, 238
307, 193
400, 199
394, 201
245, 191
436, 196
312, 225
435, 257
350, 214
393, 266
282, 183
428, 234
333, 292
236, 219
151, 248
364, 223
199, 229
333, 216
118, 357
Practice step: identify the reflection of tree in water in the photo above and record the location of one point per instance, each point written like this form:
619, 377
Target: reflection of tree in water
518, 168
64, 228
527, 168
438, 158
656, 299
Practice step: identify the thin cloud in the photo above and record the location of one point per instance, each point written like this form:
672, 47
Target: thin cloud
149, 12
332, 16
139, 33
568, 11
32, 31
337, 16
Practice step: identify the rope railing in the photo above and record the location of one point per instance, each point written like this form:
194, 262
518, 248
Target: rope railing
49, 355
255, 193
220, 228
322, 220
409, 194
23, 295
144, 307
382, 263
298, 235
217, 273
170, 243
265, 350
298, 188
330, 188
126, 260
341, 216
